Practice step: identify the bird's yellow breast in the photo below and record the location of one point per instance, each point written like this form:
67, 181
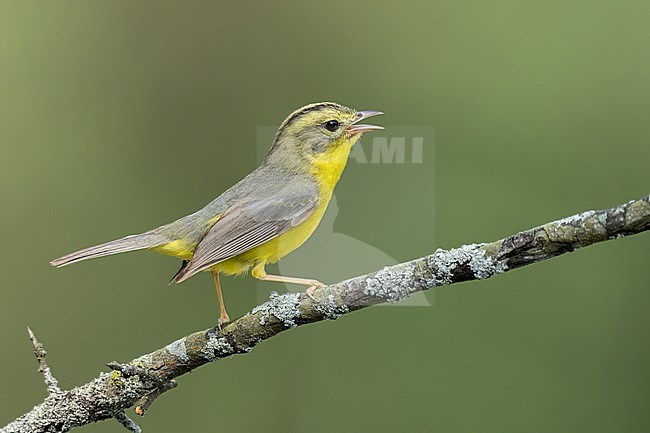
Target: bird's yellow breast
326, 169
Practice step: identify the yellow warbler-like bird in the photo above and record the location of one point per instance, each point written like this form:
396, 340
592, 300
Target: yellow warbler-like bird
266, 215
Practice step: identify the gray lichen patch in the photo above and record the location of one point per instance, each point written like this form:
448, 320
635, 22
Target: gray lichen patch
283, 307
392, 284
485, 266
441, 268
178, 349
330, 308
216, 347
395, 283
444, 264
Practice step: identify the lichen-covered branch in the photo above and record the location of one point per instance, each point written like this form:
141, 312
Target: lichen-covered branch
144, 378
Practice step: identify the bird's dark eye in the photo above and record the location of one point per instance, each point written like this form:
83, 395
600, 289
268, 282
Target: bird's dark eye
332, 125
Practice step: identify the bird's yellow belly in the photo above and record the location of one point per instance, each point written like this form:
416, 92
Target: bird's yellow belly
327, 168
273, 250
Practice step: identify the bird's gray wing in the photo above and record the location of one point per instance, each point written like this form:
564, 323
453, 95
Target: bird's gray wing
250, 223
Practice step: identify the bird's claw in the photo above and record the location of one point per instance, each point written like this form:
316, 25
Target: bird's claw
223, 319
310, 290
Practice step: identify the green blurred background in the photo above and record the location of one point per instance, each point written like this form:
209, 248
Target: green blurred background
120, 116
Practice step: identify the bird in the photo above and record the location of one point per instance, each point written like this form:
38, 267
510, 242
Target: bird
266, 215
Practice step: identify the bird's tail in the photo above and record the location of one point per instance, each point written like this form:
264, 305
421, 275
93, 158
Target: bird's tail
129, 243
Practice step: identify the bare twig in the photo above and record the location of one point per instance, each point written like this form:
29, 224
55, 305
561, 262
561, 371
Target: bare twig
127, 422
40, 353
143, 404
110, 393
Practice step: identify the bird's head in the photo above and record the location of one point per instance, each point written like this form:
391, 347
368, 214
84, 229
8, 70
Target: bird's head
318, 132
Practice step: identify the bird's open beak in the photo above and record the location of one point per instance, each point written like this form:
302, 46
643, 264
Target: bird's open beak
357, 128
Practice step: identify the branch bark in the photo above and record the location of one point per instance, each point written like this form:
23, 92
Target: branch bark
141, 380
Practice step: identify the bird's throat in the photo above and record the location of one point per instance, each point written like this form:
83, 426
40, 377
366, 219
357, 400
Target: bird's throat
328, 166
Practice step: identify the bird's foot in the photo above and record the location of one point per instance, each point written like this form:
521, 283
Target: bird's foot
315, 284
223, 319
